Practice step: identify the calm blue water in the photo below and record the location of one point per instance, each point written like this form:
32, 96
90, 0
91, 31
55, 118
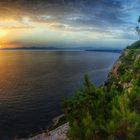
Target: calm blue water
33, 83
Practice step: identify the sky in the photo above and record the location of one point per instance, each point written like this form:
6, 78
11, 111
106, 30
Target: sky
68, 23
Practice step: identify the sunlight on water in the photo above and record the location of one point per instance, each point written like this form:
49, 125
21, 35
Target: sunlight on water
33, 83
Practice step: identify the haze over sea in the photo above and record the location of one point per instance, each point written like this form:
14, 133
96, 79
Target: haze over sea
33, 83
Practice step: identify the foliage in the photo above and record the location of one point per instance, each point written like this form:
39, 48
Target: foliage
108, 112
134, 45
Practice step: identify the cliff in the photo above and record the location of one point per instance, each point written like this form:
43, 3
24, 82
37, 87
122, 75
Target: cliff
113, 110
127, 68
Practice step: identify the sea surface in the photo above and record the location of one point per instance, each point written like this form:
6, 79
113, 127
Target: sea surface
33, 84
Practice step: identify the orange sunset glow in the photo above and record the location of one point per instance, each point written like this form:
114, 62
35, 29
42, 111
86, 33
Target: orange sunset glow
64, 25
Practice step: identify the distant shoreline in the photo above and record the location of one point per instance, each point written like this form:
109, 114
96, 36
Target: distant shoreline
58, 50
113, 51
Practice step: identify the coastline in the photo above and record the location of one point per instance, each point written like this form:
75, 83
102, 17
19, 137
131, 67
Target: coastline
56, 134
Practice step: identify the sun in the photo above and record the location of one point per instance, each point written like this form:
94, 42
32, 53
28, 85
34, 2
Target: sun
3, 32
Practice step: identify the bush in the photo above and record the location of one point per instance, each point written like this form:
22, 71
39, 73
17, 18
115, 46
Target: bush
111, 112
94, 114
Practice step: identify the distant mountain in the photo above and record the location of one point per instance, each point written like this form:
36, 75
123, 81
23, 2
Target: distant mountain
64, 49
32, 48
42, 48
114, 51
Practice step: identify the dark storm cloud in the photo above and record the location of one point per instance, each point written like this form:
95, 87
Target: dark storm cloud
76, 11
87, 14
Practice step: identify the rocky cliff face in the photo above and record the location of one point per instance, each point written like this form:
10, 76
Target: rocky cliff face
126, 70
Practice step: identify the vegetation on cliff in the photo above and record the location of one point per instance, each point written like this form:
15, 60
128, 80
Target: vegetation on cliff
112, 111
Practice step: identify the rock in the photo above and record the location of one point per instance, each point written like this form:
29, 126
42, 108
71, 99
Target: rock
59, 133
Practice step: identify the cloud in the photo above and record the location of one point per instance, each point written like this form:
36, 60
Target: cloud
71, 11
114, 17
16, 27
15, 24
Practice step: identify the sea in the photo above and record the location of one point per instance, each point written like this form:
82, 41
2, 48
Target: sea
33, 84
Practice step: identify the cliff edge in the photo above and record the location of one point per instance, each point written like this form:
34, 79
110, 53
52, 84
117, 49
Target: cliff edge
113, 110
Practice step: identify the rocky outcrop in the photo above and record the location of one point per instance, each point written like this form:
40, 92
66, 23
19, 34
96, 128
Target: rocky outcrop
56, 134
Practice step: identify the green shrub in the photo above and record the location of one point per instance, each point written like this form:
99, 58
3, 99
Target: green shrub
110, 112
